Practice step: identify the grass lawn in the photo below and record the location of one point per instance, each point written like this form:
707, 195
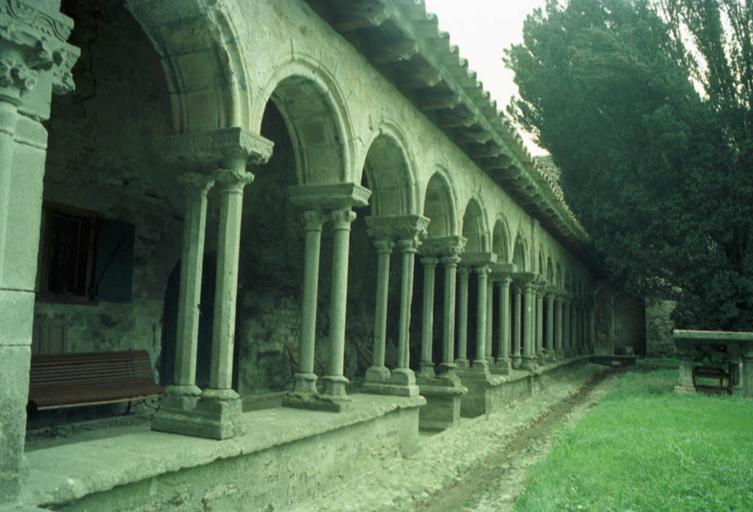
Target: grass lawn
645, 448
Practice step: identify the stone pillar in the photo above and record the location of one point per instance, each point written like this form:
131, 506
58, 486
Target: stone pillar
529, 355
462, 355
448, 324
489, 320
335, 381
403, 376
305, 378
517, 341
482, 273
558, 346
550, 348
574, 344
378, 372
539, 325
183, 393
685, 373
426, 369
747, 373
34, 62
503, 347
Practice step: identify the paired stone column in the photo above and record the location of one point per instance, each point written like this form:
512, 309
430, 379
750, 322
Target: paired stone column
183, 393
426, 368
517, 340
502, 276
35, 61
482, 274
550, 327
405, 233
489, 319
462, 353
529, 355
450, 264
378, 372
305, 378
329, 205
540, 323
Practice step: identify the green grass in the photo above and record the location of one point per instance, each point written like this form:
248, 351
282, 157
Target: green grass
645, 448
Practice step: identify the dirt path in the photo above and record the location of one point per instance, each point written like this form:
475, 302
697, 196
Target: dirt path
498, 479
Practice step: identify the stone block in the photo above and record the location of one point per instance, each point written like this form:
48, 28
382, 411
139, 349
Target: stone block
14, 383
442, 409
16, 317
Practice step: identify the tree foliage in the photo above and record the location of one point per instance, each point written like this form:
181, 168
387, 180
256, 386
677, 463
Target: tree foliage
647, 109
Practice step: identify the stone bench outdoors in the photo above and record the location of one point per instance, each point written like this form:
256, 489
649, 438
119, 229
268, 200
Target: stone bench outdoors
687, 344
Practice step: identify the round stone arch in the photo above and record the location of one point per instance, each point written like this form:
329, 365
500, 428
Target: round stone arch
475, 228
202, 60
389, 168
316, 115
520, 253
501, 240
440, 206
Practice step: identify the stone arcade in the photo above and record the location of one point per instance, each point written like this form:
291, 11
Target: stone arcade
320, 228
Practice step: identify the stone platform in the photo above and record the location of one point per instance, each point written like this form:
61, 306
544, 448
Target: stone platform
284, 456
490, 393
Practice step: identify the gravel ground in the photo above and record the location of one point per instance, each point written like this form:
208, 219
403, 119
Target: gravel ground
480, 466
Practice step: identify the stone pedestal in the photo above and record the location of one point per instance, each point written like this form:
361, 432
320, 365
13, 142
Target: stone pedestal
443, 406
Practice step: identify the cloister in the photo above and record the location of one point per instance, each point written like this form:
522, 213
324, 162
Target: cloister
321, 229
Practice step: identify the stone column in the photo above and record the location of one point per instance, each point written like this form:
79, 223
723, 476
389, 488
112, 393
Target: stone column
305, 378
685, 373
503, 347
558, 347
517, 340
747, 373
34, 62
402, 375
550, 348
529, 355
489, 320
426, 369
566, 327
183, 392
574, 344
462, 355
448, 325
335, 381
539, 325
482, 273
378, 372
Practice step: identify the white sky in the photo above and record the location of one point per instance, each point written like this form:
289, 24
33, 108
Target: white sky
483, 29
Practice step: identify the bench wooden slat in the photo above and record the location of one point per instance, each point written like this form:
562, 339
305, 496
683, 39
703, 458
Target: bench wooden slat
91, 378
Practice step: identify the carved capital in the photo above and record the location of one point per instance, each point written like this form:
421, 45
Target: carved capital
451, 261
34, 40
398, 227
329, 196
408, 245
341, 219
384, 246
313, 220
482, 270
232, 181
196, 183
429, 261
445, 246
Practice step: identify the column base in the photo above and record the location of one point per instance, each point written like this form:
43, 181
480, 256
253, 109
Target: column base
335, 391
376, 388
215, 415
516, 360
378, 374
528, 363
481, 364
502, 366
426, 370
462, 363
305, 383
541, 359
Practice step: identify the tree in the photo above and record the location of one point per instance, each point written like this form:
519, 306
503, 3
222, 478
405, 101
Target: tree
647, 109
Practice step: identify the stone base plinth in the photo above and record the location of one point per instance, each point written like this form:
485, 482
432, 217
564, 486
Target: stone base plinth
211, 418
283, 457
315, 402
381, 388
443, 399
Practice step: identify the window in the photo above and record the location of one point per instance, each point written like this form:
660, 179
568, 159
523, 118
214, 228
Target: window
84, 258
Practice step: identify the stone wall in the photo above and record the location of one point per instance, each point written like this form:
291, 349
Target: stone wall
659, 325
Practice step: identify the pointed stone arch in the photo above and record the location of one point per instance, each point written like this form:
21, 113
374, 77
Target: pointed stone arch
501, 240
475, 230
202, 59
317, 119
439, 206
389, 169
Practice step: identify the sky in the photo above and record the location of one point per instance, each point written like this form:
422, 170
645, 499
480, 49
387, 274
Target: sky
483, 29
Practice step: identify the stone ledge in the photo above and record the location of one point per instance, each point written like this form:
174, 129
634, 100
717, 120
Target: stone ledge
69, 472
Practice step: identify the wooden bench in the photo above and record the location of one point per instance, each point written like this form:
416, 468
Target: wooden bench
59, 381
715, 372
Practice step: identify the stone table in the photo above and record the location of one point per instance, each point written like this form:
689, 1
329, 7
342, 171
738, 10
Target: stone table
686, 343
